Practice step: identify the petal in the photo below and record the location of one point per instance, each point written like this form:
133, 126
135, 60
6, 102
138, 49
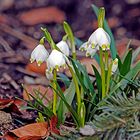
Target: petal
56, 58
63, 46
84, 46
49, 75
100, 37
39, 54
91, 51
115, 65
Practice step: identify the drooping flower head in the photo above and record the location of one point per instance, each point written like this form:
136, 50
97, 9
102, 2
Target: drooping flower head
98, 38
64, 48
55, 60
88, 48
40, 54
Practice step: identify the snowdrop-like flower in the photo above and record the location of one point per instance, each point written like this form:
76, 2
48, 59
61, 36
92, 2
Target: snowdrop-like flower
55, 60
88, 48
115, 65
39, 54
64, 48
100, 38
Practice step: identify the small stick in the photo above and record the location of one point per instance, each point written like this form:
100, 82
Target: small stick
20, 69
12, 82
5, 45
19, 35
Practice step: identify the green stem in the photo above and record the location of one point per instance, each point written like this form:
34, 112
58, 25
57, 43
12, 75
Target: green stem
54, 93
101, 17
108, 77
106, 60
102, 73
77, 89
74, 55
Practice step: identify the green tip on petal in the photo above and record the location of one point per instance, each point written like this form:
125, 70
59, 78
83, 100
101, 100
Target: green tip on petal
104, 47
92, 46
57, 68
87, 54
39, 63
31, 60
64, 66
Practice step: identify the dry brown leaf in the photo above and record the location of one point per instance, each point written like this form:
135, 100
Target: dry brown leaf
31, 131
42, 15
34, 68
3, 18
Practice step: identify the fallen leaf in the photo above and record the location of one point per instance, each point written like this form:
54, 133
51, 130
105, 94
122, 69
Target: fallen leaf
3, 18
42, 15
88, 62
11, 105
34, 68
33, 131
53, 124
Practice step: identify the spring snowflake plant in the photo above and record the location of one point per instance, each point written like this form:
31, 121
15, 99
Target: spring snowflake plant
83, 97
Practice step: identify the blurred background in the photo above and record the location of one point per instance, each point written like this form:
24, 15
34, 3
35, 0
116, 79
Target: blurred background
20, 22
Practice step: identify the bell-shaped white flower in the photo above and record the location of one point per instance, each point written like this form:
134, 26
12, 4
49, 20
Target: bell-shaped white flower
55, 60
90, 50
100, 38
64, 48
114, 65
39, 54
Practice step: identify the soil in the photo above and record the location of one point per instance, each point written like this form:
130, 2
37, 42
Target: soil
123, 17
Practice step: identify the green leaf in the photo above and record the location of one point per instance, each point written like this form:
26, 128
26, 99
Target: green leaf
98, 81
108, 30
73, 112
60, 113
135, 54
125, 68
127, 78
69, 96
69, 33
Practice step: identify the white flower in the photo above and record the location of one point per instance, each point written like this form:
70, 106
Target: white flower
90, 50
114, 65
49, 75
63, 46
55, 60
100, 38
39, 54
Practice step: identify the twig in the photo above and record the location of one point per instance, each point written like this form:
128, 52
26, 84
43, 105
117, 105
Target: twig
6, 45
20, 69
11, 81
27, 39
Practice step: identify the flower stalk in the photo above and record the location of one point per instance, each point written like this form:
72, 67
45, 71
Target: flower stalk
70, 36
108, 77
77, 89
101, 17
102, 74
54, 93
